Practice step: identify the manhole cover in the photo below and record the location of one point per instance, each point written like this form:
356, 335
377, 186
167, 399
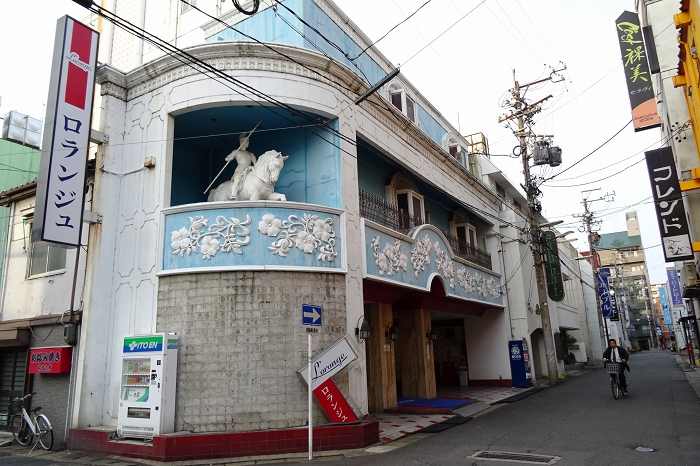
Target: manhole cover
645, 449
527, 458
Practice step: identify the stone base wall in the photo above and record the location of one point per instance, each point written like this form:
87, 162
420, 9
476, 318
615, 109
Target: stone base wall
241, 343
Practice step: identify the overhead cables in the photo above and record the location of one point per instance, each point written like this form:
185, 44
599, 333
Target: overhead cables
444, 32
213, 73
388, 32
590, 153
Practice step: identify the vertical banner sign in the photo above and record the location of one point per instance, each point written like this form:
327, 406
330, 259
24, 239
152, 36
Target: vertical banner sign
668, 202
604, 292
641, 93
674, 287
552, 267
60, 197
665, 307
615, 310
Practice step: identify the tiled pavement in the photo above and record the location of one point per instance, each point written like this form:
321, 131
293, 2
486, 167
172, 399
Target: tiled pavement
393, 426
485, 394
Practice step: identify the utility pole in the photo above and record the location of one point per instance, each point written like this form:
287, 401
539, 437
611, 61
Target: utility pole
588, 220
522, 111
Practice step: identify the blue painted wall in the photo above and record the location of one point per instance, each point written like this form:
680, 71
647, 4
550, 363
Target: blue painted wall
267, 27
460, 280
430, 126
256, 252
204, 138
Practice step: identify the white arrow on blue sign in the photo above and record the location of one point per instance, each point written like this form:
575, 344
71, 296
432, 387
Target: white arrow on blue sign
311, 315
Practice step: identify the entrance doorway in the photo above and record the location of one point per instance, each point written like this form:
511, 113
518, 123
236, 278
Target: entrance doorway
450, 349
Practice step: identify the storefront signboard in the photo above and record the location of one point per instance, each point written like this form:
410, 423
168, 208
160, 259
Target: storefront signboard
55, 360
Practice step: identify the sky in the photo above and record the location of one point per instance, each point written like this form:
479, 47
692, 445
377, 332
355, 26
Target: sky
473, 65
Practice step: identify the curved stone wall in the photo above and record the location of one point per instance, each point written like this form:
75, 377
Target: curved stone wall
241, 343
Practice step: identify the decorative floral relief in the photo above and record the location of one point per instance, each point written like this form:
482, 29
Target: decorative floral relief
306, 234
466, 280
226, 235
391, 259
420, 255
493, 287
444, 264
480, 285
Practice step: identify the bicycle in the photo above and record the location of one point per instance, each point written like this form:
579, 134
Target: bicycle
613, 369
24, 427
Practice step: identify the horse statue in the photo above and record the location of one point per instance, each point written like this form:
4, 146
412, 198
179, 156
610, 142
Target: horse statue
258, 182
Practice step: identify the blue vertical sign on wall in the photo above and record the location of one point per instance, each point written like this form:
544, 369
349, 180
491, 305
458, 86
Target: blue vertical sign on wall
674, 287
665, 307
605, 303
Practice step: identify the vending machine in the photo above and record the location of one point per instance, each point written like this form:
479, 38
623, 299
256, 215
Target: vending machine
147, 395
520, 363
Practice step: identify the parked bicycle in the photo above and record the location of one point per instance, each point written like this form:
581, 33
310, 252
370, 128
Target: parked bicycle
24, 427
613, 369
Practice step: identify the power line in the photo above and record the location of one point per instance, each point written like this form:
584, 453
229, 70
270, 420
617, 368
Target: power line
389, 31
444, 32
519, 32
191, 60
590, 153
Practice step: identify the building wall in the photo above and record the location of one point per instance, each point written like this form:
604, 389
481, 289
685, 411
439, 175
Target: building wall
241, 344
45, 294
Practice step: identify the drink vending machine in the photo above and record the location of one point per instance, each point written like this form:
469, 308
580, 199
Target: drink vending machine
147, 395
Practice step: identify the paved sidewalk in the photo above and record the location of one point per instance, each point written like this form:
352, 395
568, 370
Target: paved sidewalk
692, 373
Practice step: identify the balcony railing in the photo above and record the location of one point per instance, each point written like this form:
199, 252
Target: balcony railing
384, 213
468, 252
380, 211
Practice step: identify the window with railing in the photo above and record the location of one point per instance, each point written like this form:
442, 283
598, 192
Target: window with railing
468, 251
380, 211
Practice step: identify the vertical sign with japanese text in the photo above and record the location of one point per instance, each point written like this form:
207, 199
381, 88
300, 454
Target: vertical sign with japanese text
668, 202
665, 307
60, 198
674, 287
604, 291
552, 267
645, 115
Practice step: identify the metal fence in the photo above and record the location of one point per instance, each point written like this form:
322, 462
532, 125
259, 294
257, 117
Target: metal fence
380, 211
468, 252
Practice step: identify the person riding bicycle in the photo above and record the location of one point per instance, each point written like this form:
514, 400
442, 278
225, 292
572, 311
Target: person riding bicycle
617, 354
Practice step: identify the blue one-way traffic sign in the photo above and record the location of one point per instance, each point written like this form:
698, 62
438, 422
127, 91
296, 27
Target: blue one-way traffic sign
311, 315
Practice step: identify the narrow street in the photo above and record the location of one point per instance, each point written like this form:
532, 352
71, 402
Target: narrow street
578, 420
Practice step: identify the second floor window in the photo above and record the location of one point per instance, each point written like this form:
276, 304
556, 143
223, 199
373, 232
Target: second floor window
45, 258
411, 203
399, 99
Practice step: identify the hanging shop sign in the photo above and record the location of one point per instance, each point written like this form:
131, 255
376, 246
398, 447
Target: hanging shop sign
604, 292
668, 201
552, 267
328, 396
641, 92
60, 197
674, 287
665, 306
615, 310
50, 360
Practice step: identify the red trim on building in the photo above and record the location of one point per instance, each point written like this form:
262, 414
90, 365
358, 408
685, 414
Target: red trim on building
188, 447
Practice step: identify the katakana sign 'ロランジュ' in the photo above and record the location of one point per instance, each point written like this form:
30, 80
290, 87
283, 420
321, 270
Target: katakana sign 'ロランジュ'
641, 92
60, 198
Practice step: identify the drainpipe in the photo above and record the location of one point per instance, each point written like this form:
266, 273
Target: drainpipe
10, 234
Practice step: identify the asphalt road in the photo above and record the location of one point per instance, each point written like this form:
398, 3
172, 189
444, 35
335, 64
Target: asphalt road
578, 420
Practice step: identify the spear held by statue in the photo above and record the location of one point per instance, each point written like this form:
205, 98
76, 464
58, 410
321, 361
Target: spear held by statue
243, 142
